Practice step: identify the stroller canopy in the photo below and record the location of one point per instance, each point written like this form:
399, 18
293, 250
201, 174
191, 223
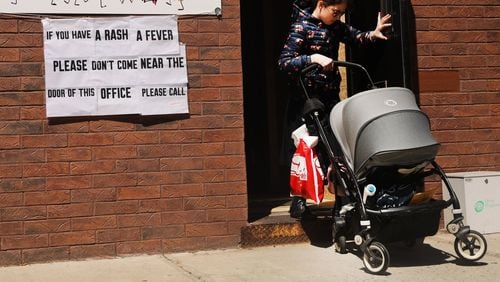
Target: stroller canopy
382, 127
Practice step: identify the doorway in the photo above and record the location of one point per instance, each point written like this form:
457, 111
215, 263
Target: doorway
264, 27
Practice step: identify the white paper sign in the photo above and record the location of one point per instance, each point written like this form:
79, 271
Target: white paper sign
96, 67
129, 7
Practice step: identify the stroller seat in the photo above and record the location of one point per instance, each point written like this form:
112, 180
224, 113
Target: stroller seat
382, 127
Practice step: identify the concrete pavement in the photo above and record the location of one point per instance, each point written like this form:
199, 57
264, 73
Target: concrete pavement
433, 260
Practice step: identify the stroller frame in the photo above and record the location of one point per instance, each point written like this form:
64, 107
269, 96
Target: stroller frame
365, 225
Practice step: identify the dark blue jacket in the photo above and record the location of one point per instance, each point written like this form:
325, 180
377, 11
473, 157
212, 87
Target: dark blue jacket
307, 36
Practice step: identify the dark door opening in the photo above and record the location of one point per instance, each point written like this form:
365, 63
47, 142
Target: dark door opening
264, 26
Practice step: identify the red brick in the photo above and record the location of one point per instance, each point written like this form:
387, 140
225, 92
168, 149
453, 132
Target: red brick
162, 232
31, 55
47, 169
130, 138
231, 66
208, 149
45, 255
72, 238
204, 176
32, 83
93, 195
218, 242
8, 171
33, 113
24, 99
114, 152
160, 205
11, 199
93, 223
234, 227
47, 226
187, 25
206, 229
486, 122
24, 241
118, 235
74, 127
227, 215
183, 217
227, 188
68, 182
180, 137
97, 167
69, 154
111, 125
121, 207
200, 95
230, 162
201, 67
228, 39
181, 164
138, 165
69, 210
8, 258
203, 122
9, 54
432, 81
159, 178
182, 190
234, 148
9, 113
30, 26
22, 156
226, 26
92, 251
90, 139
9, 142
137, 193
11, 228
225, 80
24, 213
452, 99
200, 39
46, 198
223, 135
235, 174
158, 151
139, 247
20, 127
115, 180
204, 203
237, 201
139, 220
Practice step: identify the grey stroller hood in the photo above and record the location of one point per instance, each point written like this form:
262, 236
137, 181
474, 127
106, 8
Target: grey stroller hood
382, 127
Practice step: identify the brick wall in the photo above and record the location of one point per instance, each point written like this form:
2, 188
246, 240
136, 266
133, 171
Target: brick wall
458, 45
89, 187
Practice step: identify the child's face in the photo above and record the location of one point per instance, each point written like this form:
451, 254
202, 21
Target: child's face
332, 13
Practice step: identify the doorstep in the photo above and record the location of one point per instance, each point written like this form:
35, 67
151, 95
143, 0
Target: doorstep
277, 227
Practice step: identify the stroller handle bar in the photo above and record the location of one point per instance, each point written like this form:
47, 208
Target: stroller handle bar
315, 66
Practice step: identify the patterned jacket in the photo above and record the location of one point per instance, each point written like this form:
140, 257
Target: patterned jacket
307, 36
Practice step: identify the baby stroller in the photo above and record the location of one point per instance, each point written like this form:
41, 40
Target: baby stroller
381, 149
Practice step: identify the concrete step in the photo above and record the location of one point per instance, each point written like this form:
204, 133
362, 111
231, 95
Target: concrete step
277, 227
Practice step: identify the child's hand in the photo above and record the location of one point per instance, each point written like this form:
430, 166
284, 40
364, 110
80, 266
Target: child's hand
323, 61
382, 23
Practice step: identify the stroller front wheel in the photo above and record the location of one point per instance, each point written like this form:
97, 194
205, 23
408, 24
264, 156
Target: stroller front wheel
471, 246
376, 258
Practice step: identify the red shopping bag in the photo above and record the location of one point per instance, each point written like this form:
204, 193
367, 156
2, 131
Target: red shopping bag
306, 176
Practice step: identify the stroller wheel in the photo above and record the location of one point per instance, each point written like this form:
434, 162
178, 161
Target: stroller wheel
340, 245
376, 258
471, 247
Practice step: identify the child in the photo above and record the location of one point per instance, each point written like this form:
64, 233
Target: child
314, 37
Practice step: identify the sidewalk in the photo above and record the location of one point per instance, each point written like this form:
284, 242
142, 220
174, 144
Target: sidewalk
434, 260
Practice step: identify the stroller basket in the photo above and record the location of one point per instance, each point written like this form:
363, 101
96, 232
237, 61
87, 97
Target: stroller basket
407, 223
390, 130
